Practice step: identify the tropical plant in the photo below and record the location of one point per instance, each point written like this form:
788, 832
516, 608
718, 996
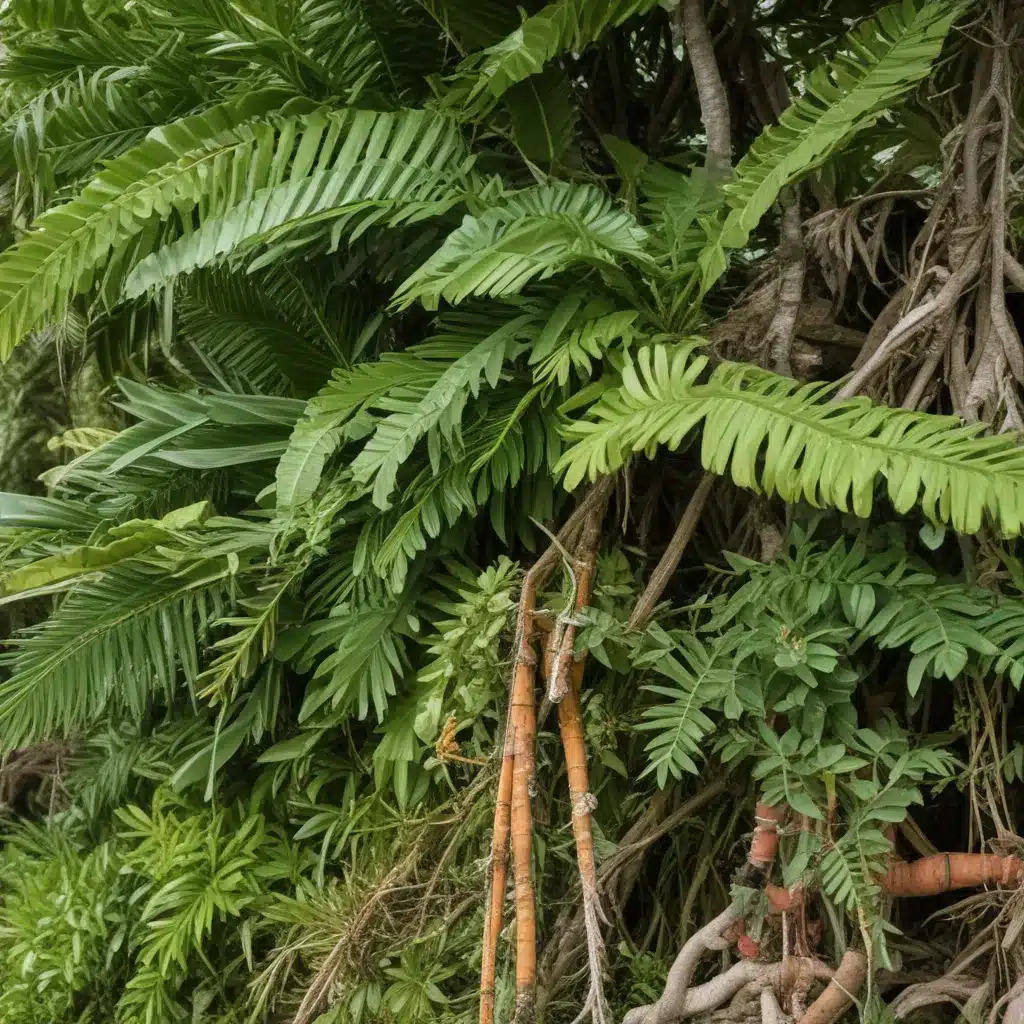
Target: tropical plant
317, 316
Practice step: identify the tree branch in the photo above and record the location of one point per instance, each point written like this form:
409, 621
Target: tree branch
714, 102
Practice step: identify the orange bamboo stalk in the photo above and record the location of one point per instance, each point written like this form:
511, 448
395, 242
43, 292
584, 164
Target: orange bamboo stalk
499, 878
570, 722
765, 841
512, 812
503, 808
944, 872
927, 876
524, 718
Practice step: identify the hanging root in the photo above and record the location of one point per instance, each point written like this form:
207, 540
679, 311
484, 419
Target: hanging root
669, 562
677, 1000
840, 991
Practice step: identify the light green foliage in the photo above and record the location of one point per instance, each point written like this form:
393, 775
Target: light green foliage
352, 169
466, 669
63, 928
529, 236
825, 453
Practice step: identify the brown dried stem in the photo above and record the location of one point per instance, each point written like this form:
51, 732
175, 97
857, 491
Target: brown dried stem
673, 553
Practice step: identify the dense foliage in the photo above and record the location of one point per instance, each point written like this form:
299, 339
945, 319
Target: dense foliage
319, 319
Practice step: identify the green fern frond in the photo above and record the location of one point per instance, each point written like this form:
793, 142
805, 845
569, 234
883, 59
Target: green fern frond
532, 235
253, 632
701, 676
115, 643
333, 414
776, 435
67, 131
581, 330
337, 168
879, 61
413, 413
367, 657
507, 442
561, 27
271, 330
58, 258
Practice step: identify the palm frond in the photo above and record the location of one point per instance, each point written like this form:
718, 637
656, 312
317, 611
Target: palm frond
59, 256
774, 434
531, 236
275, 331
367, 658
114, 645
350, 168
333, 414
509, 440
881, 59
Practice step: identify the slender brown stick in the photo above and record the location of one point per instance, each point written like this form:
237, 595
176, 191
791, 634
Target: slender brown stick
673, 553
919, 318
793, 265
570, 724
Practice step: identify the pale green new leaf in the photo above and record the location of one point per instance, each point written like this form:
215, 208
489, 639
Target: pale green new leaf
124, 541
774, 434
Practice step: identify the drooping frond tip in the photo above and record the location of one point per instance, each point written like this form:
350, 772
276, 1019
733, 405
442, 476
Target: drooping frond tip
775, 435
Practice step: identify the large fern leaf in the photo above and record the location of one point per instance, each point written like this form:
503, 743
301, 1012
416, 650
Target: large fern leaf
532, 235
270, 330
60, 254
330, 167
322, 428
562, 26
116, 642
774, 434
880, 60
